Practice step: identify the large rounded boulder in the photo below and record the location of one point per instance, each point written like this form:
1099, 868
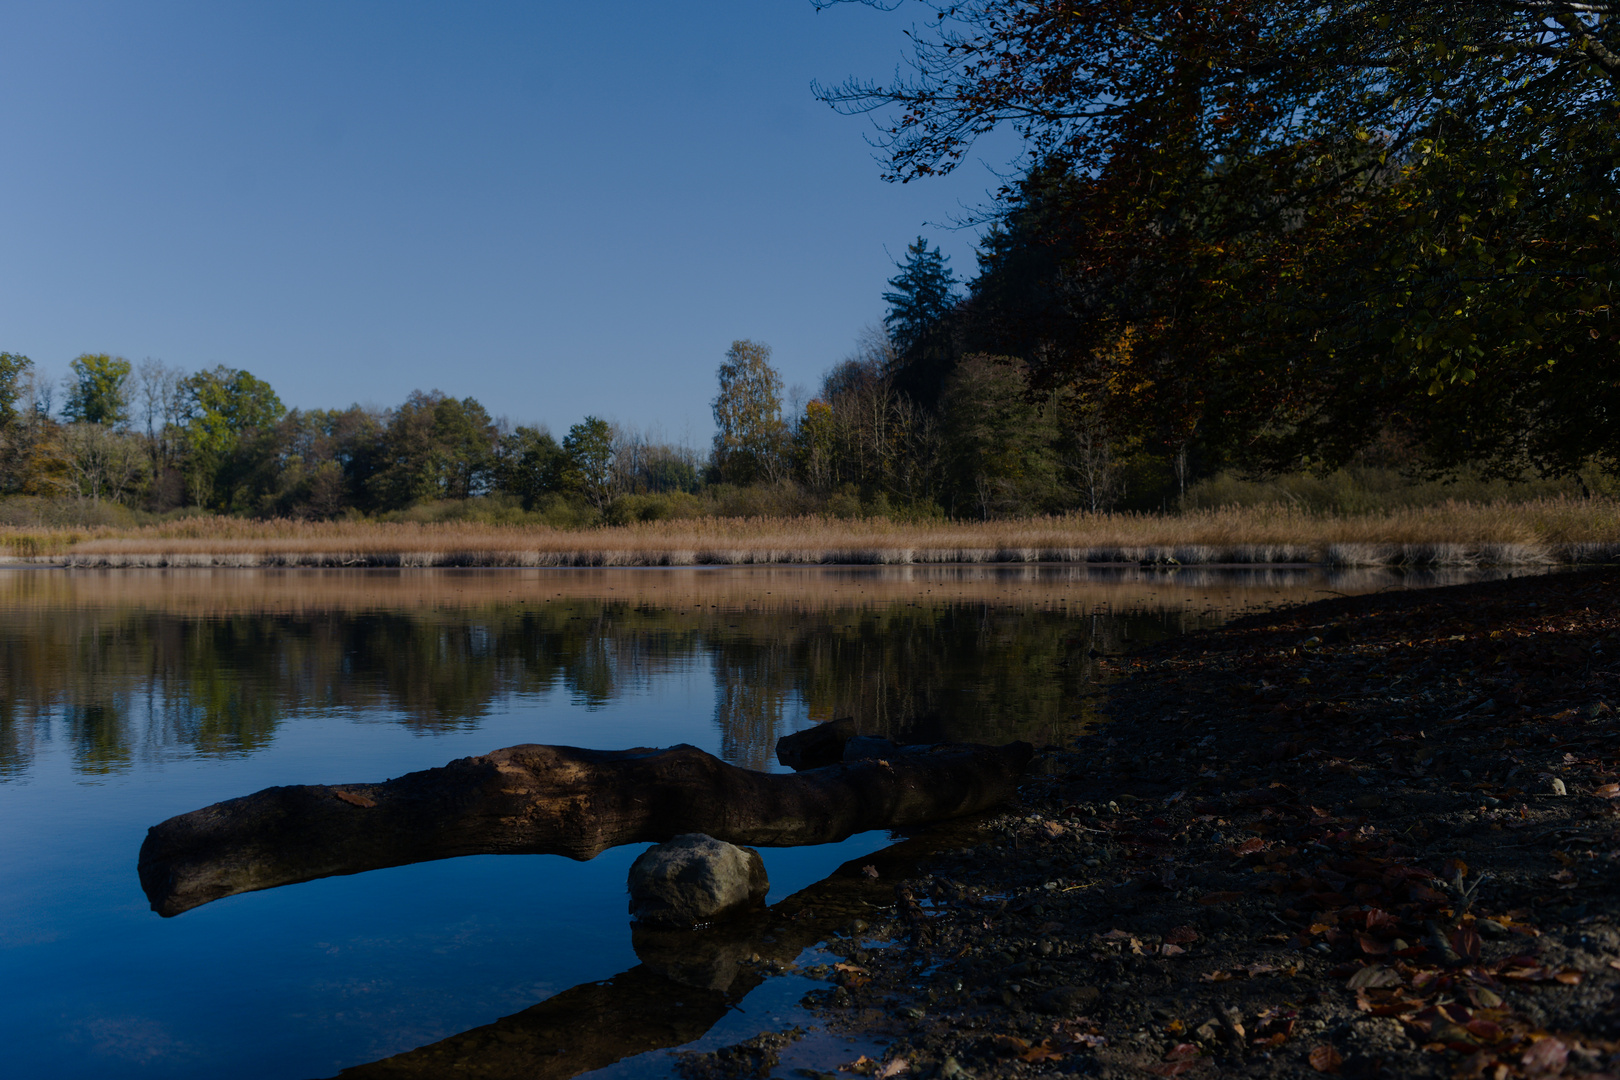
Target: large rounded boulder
695, 879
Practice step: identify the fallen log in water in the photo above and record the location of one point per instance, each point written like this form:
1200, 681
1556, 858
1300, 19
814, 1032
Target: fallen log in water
554, 800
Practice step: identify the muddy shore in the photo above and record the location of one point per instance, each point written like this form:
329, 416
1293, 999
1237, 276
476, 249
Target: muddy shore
1372, 836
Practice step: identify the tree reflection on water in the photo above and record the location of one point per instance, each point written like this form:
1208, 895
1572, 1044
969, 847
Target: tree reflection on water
123, 664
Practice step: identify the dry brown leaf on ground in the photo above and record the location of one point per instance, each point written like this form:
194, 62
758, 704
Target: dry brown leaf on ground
1546, 1058
1325, 1059
1042, 1051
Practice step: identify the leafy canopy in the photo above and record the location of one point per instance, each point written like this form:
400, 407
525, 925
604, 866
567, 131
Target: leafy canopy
98, 392
1308, 214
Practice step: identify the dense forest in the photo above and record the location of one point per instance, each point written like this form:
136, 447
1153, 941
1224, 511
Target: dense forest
1358, 249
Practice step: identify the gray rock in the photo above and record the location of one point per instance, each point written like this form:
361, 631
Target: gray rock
695, 879
1068, 999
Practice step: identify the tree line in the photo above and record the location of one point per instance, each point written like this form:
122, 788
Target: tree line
158, 439
161, 439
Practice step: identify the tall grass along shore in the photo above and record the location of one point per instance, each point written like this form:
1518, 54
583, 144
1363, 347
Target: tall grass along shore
1545, 532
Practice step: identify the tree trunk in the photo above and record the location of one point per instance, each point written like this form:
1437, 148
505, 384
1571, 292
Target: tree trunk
556, 800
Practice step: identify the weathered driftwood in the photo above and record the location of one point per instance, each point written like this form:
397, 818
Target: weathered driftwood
816, 746
557, 800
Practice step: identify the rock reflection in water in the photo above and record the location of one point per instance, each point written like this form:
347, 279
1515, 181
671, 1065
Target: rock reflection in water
686, 982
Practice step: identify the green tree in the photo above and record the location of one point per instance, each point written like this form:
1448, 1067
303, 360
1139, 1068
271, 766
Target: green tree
923, 294
1000, 445
21, 430
436, 447
588, 450
531, 464
99, 393
14, 372
223, 403
750, 435
222, 407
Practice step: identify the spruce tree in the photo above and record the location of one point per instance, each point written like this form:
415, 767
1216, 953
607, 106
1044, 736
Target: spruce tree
924, 293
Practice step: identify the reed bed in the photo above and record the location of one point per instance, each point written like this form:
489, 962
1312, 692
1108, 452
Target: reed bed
712, 592
1460, 534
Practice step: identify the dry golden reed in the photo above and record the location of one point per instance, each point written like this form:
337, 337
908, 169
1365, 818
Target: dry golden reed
1450, 534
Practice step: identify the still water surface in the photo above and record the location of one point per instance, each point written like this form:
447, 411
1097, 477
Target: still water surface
127, 697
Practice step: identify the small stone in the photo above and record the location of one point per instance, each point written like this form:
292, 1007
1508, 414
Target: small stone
1491, 929
693, 879
1068, 999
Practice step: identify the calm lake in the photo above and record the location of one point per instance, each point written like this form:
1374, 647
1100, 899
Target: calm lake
127, 697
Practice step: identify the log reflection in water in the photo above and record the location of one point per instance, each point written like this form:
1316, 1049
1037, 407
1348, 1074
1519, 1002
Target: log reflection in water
677, 993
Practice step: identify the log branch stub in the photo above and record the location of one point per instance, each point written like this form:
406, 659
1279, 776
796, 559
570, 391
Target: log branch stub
816, 746
555, 800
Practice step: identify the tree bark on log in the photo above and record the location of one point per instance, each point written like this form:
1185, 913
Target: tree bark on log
554, 800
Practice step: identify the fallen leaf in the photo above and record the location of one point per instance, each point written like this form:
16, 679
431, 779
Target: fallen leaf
1248, 847
1381, 920
1181, 935
355, 800
1217, 976
1372, 978
1465, 940
1607, 791
894, 1068
870, 871
1545, 1058
1042, 1051
1372, 945
1008, 1044
1052, 830
862, 1065
1325, 1059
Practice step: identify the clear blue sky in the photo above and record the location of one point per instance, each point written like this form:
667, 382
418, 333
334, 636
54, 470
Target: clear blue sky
557, 208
